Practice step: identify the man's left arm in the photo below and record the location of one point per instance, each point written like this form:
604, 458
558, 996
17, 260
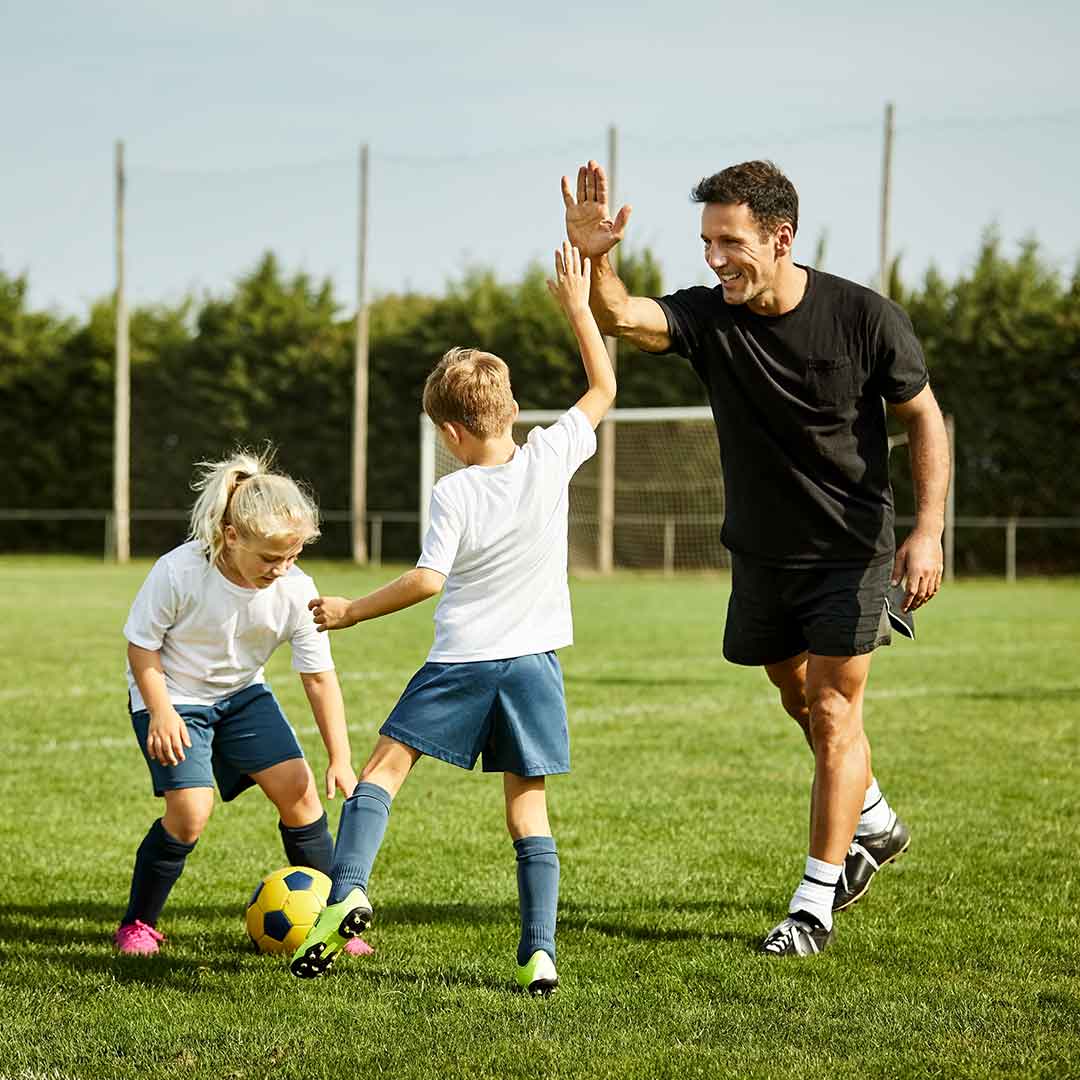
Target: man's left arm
919, 558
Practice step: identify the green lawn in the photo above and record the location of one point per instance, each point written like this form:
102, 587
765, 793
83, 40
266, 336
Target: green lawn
681, 833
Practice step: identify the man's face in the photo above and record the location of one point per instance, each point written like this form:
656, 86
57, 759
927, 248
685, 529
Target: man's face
736, 253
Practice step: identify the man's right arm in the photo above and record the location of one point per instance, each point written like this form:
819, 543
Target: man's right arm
637, 319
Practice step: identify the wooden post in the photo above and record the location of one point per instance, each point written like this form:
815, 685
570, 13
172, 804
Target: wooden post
121, 388
1010, 550
605, 547
360, 379
950, 503
886, 184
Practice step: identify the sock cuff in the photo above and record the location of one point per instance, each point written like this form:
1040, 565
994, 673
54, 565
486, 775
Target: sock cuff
873, 795
528, 846
366, 790
303, 832
169, 842
822, 873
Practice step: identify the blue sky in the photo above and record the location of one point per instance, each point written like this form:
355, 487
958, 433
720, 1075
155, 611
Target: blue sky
242, 121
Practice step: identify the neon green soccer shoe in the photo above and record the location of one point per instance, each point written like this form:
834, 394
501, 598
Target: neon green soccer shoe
538, 977
335, 927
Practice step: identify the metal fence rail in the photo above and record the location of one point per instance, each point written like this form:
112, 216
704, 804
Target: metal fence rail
667, 522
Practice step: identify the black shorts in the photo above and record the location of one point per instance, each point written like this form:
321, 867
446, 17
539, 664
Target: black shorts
775, 613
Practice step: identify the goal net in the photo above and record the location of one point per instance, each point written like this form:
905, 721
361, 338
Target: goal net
666, 490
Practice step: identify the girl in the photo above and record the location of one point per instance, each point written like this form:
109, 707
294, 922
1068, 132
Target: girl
202, 626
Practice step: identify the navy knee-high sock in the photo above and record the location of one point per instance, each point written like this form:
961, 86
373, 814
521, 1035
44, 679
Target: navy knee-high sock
538, 894
158, 863
360, 834
308, 845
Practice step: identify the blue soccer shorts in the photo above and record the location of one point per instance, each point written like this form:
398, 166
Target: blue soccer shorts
230, 740
511, 713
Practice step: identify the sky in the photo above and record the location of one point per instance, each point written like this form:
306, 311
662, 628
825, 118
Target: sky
242, 119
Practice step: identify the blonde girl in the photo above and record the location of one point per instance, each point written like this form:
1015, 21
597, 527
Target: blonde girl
206, 620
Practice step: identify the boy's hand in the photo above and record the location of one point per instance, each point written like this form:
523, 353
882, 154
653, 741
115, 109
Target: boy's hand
571, 284
167, 738
588, 219
331, 613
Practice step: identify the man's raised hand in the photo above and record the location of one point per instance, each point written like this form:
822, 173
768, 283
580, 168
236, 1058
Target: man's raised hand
589, 224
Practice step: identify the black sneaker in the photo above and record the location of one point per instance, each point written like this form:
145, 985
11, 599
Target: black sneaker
866, 856
799, 934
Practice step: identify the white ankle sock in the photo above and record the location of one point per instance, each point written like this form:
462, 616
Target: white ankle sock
816, 890
876, 814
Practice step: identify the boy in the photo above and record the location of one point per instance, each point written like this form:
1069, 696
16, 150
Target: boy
492, 683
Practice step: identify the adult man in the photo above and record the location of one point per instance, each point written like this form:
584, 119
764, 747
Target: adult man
797, 363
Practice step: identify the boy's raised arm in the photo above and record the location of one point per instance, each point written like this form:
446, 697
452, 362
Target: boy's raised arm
571, 289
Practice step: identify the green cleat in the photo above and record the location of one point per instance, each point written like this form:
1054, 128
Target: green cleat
335, 927
538, 977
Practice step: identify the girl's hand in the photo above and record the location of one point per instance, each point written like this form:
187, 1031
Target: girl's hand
331, 613
571, 287
340, 776
167, 738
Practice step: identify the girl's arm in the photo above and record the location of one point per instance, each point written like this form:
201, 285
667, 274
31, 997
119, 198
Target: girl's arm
328, 707
413, 587
168, 733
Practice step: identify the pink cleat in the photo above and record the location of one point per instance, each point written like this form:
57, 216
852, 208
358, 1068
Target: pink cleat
137, 939
357, 946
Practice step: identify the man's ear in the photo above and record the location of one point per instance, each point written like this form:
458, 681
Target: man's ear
783, 240
516, 410
450, 432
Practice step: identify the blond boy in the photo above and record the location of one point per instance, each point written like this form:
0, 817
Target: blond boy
492, 686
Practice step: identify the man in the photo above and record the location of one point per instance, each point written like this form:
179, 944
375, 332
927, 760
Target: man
797, 364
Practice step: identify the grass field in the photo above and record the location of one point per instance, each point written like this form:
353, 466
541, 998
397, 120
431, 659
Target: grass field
681, 833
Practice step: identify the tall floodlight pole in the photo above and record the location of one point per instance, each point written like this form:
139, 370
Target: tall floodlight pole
360, 381
122, 388
605, 548
886, 184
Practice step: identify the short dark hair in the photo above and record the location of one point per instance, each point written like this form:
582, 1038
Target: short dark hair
769, 194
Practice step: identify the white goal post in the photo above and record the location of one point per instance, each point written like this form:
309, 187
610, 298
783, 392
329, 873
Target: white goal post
669, 493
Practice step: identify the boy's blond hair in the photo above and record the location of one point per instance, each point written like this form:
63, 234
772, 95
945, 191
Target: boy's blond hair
472, 388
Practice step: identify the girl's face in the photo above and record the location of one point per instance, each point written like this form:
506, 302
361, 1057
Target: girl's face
256, 563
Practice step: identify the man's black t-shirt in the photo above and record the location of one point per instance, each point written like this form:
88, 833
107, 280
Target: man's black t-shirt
797, 400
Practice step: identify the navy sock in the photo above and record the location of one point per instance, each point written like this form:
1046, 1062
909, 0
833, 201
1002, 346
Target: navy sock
308, 845
538, 894
158, 863
360, 834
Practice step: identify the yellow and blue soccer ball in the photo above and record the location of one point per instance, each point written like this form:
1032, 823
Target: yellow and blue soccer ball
284, 906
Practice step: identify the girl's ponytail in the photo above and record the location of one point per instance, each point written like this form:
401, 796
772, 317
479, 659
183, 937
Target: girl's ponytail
244, 492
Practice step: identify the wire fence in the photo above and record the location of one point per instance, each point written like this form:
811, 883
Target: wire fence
667, 527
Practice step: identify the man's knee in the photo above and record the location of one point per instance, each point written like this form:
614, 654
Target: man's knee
834, 723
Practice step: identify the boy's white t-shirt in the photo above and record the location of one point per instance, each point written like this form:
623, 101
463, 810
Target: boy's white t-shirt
498, 533
214, 637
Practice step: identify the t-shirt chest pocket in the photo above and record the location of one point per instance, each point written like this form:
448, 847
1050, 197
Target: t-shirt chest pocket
831, 379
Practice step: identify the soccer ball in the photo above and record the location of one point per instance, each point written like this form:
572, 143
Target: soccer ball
284, 906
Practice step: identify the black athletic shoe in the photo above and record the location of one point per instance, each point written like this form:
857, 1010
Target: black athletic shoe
866, 856
798, 935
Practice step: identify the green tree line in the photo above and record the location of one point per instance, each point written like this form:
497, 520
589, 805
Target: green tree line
271, 360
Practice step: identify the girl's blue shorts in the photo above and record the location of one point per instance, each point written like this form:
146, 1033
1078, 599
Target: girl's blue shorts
230, 740
512, 713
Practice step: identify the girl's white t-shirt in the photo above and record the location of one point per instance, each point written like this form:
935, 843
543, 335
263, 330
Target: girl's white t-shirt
499, 534
214, 637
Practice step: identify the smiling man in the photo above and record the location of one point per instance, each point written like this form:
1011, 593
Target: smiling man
798, 364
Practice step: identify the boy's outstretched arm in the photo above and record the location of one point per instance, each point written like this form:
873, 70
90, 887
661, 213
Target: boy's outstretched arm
413, 587
571, 289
